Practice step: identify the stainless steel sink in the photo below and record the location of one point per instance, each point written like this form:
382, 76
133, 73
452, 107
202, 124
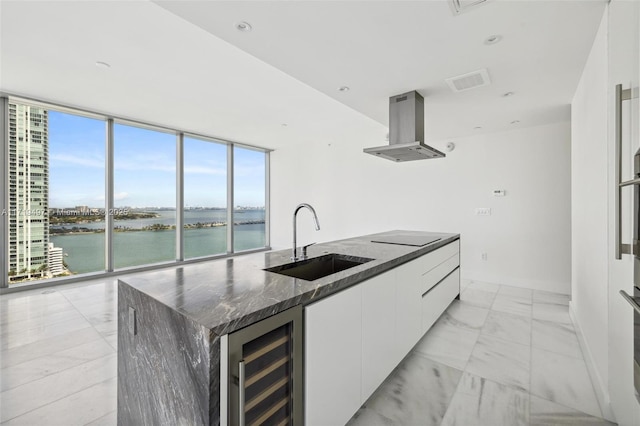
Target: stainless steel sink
318, 267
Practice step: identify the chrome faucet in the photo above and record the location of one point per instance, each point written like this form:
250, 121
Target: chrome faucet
295, 257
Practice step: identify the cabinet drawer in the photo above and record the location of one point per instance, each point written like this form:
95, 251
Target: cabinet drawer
435, 275
431, 260
438, 298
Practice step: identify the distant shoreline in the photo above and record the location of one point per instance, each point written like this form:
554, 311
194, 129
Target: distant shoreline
149, 228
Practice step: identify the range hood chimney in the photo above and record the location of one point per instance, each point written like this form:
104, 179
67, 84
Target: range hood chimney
406, 131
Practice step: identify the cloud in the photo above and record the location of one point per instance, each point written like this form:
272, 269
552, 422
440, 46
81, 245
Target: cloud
117, 197
80, 161
203, 170
141, 163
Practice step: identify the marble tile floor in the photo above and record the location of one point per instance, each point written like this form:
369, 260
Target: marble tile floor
500, 356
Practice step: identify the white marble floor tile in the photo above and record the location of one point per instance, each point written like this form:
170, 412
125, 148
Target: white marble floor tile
448, 345
519, 292
112, 340
39, 321
501, 361
16, 313
14, 339
514, 328
31, 298
551, 312
556, 337
548, 297
512, 305
96, 291
482, 402
30, 396
38, 368
110, 419
484, 286
463, 315
80, 408
564, 380
464, 283
367, 417
417, 392
480, 298
547, 413
47, 346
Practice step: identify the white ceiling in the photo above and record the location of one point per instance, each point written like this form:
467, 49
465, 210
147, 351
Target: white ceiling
212, 79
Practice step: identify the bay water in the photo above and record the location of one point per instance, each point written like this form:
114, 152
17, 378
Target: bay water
84, 252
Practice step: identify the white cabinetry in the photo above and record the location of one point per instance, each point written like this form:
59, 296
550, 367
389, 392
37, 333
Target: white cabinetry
355, 338
378, 331
408, 309
436, 300
333, 340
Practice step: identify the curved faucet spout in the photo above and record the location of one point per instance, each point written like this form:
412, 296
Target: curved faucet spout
295, 214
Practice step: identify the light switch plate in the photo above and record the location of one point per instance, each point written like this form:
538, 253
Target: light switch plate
132, 321
483, 211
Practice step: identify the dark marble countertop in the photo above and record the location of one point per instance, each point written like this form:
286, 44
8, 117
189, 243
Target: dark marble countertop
224, 295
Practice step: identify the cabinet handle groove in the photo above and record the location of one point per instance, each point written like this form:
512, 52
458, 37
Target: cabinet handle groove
445, 277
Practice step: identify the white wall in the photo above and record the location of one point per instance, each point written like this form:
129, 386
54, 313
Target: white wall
527, 237
589, 201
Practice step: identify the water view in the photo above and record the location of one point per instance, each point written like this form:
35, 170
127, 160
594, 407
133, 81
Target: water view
205, 234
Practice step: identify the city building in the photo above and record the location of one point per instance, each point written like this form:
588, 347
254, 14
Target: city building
56, 265
28, 191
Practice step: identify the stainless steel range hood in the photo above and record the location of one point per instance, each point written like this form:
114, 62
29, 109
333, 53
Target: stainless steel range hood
406, 131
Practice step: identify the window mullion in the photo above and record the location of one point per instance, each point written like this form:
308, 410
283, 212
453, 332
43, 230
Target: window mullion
108, 208
180, 197
230, 199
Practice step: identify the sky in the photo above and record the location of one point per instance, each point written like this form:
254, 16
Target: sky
144, 167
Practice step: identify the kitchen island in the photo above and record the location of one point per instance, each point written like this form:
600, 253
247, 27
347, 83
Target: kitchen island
171, 322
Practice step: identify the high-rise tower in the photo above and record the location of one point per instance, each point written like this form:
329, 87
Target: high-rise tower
28, 191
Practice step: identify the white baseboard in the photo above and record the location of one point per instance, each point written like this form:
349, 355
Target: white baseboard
550, 286
601, 389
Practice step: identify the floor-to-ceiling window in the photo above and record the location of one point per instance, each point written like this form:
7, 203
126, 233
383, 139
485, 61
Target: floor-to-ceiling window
76, 193
144, 196
249, 174
205, 197
56, 193
65, 178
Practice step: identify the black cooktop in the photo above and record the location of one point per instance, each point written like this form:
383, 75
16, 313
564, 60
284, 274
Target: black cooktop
407, 240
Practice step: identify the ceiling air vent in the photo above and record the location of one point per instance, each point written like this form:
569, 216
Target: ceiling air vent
459, 6
469, 80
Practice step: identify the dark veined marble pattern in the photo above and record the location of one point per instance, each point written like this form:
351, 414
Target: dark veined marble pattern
169, 371
227, 294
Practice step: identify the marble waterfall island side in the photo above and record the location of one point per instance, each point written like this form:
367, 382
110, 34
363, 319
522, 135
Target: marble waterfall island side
170, 322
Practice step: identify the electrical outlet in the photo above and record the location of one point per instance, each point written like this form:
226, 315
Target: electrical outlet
133, 323
483, 211
484, 256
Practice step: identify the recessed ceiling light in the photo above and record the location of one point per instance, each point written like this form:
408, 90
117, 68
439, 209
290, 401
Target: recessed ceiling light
508, 94
492, 39
244, 26
344, 88
101, 64
515, 121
